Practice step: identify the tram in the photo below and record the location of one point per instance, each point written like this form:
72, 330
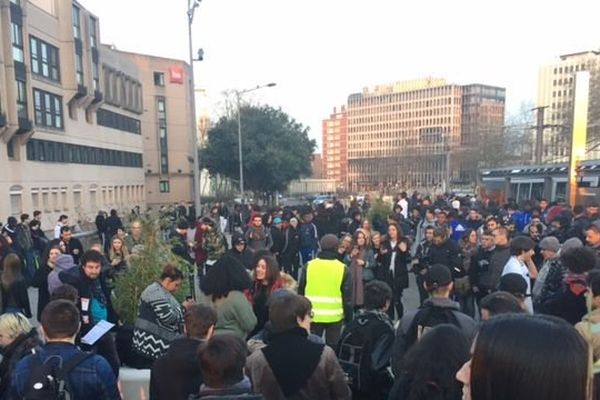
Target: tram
549, 181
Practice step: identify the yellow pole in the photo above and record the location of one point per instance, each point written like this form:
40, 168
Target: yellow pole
579, 136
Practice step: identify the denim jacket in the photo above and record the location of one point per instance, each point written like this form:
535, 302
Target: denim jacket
90, 380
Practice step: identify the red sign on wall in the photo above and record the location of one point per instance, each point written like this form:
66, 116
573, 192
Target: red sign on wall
176, 75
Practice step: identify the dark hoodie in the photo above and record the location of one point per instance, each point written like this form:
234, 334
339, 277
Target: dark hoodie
177, 374
245, 257
12, 354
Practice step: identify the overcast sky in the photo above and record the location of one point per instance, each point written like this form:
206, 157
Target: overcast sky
320, 51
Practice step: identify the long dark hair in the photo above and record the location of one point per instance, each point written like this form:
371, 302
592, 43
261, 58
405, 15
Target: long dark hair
430, 366
11, 270
273, 273
226, 275
518, 356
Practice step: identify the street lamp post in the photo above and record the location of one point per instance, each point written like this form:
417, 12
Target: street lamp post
238, 94
192, 5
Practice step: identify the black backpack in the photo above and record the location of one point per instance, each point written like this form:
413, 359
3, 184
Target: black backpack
48, 382
354, 353
426, 318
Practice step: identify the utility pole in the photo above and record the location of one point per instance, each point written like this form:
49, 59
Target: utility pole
196, 187
539, 136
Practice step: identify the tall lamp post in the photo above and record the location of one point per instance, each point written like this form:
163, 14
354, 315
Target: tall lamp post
238, 94
192, 5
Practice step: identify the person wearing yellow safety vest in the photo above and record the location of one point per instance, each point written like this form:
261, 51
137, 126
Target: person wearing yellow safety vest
327, 283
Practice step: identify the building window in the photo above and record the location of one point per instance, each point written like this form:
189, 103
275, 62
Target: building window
49, 151
35, 198
16, 206
77, 199
79, 68
48, 109
46, 199
10, 149
164, 186
76, 23
163, 139
118, 121
21, 89
44, 59
96, 76
93, 198
93, 30
17, 42
55, 199
159, 79
63, 198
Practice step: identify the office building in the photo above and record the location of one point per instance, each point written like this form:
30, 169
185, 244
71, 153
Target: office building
335, 146
80, 122
556, 93
420, 134
168, 155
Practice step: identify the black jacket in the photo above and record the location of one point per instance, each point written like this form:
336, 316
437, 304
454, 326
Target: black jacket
489, 280
398, 280
84, 285
277, 238
100, 223
447, 254
12, 354
291, 242
180, 247
480, 265
377, 330
16, 296
40, 281
112, 224
245, 257
177, 374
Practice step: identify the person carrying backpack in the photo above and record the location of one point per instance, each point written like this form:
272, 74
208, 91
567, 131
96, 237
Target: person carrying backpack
60, 371
438, 309
365, 348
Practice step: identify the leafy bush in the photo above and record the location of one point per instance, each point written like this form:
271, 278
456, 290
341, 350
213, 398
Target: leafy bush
379, 212
144, 268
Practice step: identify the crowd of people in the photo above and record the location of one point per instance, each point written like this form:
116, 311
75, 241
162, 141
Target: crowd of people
307, 303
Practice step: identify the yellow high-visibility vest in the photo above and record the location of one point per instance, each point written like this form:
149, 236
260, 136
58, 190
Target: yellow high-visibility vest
323, 289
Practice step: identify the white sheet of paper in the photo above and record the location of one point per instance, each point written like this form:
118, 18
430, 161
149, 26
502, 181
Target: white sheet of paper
96, 332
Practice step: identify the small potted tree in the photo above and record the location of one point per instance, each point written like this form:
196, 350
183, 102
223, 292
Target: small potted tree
144, 266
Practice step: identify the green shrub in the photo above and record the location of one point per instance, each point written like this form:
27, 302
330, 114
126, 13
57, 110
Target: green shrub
144, 268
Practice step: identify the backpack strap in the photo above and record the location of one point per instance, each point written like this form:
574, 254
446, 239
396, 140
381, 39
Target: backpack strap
64, 371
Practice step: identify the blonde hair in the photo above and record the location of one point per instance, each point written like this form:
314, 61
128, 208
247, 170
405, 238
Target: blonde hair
124, 249
14, 324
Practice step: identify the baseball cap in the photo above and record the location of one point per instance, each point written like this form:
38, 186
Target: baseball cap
438, 275
514, 284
